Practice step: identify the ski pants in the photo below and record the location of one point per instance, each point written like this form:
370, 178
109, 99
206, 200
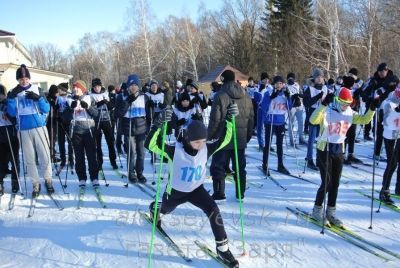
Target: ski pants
7, 153
64, 132
136, 153
201, 199
106, 128
393, 161
351, 138
36, 142
83, 144
279, 131
330, 176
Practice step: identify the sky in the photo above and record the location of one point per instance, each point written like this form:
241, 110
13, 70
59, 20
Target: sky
64, 22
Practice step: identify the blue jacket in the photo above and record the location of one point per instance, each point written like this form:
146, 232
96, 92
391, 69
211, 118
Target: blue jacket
264, 118
33, 119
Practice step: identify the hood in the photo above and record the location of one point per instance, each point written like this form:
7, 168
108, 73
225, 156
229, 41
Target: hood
233, 90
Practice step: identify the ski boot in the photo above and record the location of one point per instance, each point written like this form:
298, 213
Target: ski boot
152, 208
49, 186
141, 178
331, 217
317, 214
384, 196
36, 190
225, 254
283, 170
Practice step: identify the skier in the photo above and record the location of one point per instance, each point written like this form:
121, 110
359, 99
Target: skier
82, 111
52, 120
103, 122
183, 113
229, 93
250, 89
296, 96
272, 110
355, 85
9, 145
63, 126
133, 113
198, 99
189, 159
30, 110
312, 99
334, 116
391, 131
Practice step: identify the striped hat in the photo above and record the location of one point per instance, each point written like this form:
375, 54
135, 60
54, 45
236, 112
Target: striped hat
80, 84
344, 96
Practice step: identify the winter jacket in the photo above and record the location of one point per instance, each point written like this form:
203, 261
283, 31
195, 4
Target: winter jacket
377, 86
105, 108
82, 120
168, 97
30, 114
231, 92
139, 117
7, 125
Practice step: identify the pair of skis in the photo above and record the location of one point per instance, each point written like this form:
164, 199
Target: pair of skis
179, 251
32, 205
348, 235
97, 191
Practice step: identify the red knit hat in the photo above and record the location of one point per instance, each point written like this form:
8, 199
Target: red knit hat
80, 84
344, 96
397, 91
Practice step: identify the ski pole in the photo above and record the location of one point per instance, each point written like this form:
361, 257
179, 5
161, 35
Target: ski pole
326, 174
22, 148
153, 228
238, 184
373, 169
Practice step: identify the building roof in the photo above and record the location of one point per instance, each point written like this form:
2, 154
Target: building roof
4, 67
215, 74
5, 33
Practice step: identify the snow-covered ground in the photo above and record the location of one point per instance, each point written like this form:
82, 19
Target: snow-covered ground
118, 237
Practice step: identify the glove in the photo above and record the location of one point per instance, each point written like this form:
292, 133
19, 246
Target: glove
13, 93
99, 103
84, 104
397, 109
32, 95
132, 98
287, 93
164, 116
74, 104
274, 94
296, 101
196, 116
151, 103
320, 95
375, 104
233, 110
181, 122
328, 99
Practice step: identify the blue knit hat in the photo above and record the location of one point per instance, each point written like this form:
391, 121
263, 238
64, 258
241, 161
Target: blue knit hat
133, 79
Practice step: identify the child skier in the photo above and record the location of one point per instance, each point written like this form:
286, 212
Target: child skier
183, 112
391, 131
334, 121
272, 110
9, 146
189, 158
30, 110
82, 112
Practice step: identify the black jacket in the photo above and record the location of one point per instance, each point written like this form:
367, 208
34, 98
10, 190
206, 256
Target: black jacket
231, 92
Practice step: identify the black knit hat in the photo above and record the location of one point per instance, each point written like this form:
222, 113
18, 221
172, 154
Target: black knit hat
23, 72
2, 89
96, 82
264, 75
111, 88
184, 96
189, 81
291, 75
196, 130
348, 82
353, 71
63, 86
277, 79
227, 76
382, 66
53, 90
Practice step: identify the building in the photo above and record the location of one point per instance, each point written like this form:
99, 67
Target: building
13, 54
214, 76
